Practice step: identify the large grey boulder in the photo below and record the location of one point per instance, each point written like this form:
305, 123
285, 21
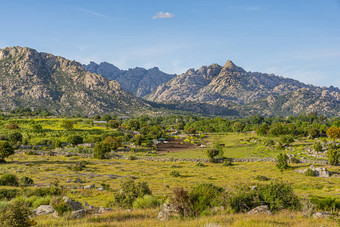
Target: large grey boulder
43, 209
260, 210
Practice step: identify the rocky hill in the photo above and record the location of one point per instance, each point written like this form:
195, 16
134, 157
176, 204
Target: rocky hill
230, 90
139, 81
32, 79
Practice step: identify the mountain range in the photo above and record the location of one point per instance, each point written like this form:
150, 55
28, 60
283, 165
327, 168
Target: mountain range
32, 79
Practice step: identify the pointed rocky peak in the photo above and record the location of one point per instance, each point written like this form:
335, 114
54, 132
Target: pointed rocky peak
230, 66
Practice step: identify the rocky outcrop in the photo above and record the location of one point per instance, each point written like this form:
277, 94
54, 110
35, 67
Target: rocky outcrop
168, 211
260, 210
139, 81
230, 90
43, 209
318, 171
41, 80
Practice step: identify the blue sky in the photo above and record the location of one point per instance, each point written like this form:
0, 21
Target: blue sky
299, 39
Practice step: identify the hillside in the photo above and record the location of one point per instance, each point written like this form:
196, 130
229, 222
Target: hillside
230, 89
32, 79
138, 81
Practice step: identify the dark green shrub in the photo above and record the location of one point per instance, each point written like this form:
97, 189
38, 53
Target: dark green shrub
333, 157
205, 196
131, 157
277, 196
282, 161
60, 206
5, 150
317, 147
200, 164
9, 180
16, 214
287, 139
75, 140
42, 192
212, 153
26, 181
101, 149
175, 173
242, 199
326, 203
57, 144
15, 137
129, 192
310, 173
261, 178
8, 194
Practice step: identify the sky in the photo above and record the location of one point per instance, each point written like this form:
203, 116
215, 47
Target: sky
298, 39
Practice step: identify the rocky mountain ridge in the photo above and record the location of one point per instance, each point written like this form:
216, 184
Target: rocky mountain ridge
139, 81
32, 79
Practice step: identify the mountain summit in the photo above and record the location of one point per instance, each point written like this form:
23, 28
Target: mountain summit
32, 79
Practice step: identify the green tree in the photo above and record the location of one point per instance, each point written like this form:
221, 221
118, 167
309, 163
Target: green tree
191, 130
333, 133
101, 149
16, 214
114, 142
5, 150
113, 123
282, 161
317, 147
75, 140
67, 124
333, 156
212, 153
263, 129
15, 137
238, 127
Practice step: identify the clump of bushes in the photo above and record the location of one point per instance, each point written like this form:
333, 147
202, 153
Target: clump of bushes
333, 156
9, 180
60, 206
147, 201
8, 194
26, 181
129, 192
16, 214
42, 192
212, 153
227, 162
282, 160
175, 173
326, 203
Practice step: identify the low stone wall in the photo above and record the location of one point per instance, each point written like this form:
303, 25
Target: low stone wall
159, 159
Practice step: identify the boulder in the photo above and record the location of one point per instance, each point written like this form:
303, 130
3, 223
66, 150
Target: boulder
320, 172
104, 210
78, 214
321, 215
168, 211
89, 186
260, 210
43, 209
75, 205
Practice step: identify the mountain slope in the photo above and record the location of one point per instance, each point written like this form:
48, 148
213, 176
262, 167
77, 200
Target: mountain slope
32, 79
233, 89
139, 81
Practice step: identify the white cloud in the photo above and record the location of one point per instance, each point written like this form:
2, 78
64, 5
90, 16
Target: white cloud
163, 15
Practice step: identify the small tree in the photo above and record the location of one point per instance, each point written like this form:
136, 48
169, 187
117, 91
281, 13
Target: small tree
191, 130
101, 149
333, 133
114, 142
67, 124
211, 153
333, 156
15, 137
282, 161
37, 128
317, 147
16, 214
5, 150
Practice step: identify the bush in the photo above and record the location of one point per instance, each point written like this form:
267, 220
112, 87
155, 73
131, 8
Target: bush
317, 147
41, 201
9, 180
147, 201
75, 140
5, 150
15, 137
310, 173
261, 178
227, 162
42, 192
16, 214
8, 194
205, 196
211, 153
333, 157
101, 149
57, 144
180, 201
242, 199
200, 164
60, 206
279, 147
282, 161
287, 139
26, 181
129, 192
175, 173
326, 203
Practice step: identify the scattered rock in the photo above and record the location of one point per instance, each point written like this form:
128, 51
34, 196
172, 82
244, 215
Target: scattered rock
75, 205
101, 189
260, 210
89, 186
78, 214
321, 215
104, 210
43, 209
88, 206
168, 211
